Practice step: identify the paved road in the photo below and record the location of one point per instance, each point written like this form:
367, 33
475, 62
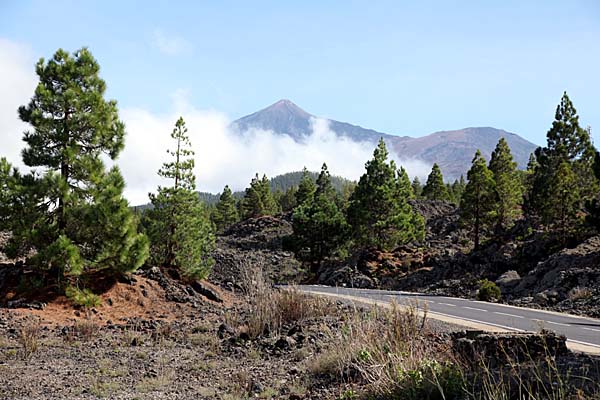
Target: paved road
578, 330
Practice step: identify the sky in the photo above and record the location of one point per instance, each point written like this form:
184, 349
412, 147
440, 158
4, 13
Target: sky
406, 68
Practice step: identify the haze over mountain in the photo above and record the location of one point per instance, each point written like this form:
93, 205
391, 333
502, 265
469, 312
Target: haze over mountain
452, 150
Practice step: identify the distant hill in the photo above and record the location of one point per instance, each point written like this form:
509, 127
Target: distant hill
280, 182
285, 181
452, 150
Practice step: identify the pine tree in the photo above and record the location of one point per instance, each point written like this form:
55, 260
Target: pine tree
9, 178
477, 201
592, 206
566, 197
73, 127
417, 188
405, 189
21, 195
287, 201
457, 189
258, 200
225, 213
319, 225
119, 247
508, 193
566, 142
379, 215
306, 188
178, 225
435, 189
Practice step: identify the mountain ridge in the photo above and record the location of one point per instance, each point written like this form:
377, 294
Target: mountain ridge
452, 150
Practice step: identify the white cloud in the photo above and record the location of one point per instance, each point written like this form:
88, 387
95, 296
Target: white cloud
17, 84
223, 157
169, 44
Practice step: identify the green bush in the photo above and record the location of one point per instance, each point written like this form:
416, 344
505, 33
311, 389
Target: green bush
84, 298
488, 291
430, 380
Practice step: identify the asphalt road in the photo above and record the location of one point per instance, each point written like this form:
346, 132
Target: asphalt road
578, 330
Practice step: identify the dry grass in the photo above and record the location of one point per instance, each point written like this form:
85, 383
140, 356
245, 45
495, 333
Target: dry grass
579, 293
533, 377
388, 351
85, 329
391, 354
270, 309
29, 337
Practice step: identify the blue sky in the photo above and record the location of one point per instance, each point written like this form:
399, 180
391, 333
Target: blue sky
408, 68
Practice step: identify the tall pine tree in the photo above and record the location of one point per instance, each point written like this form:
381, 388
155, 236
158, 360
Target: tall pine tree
417, 187
405, 188
379, 212
258, 199
76, 214
477, 201
287, 201
319, 224
508, 190
565, 194
306, 188
435, 189
567, 142
225, 213
178, 225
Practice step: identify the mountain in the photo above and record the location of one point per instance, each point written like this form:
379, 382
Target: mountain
452, 150
285, 117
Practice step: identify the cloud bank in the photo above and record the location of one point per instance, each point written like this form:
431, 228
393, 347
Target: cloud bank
222, 155
226, 157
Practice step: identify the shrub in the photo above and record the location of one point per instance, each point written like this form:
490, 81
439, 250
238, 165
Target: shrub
28, 339
270, 309
85, 330
579, 293
488, 291
387, 350
84, 298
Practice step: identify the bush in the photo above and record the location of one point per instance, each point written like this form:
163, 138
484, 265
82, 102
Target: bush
84, 298
386, 349
270, 309
579, 293
29, 339
488, 291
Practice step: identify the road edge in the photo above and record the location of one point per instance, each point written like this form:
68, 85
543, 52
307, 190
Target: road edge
472, 324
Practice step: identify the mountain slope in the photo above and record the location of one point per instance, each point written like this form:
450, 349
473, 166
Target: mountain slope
285, 117
452, 150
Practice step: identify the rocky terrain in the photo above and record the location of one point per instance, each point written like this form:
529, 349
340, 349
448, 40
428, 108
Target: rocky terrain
531, 268
168, 348
257, 242
235, 337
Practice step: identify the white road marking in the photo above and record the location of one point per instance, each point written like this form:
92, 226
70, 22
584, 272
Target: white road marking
591, 329
557, 323
447, 304
510, 328
584, 343
473, 308
510, 315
